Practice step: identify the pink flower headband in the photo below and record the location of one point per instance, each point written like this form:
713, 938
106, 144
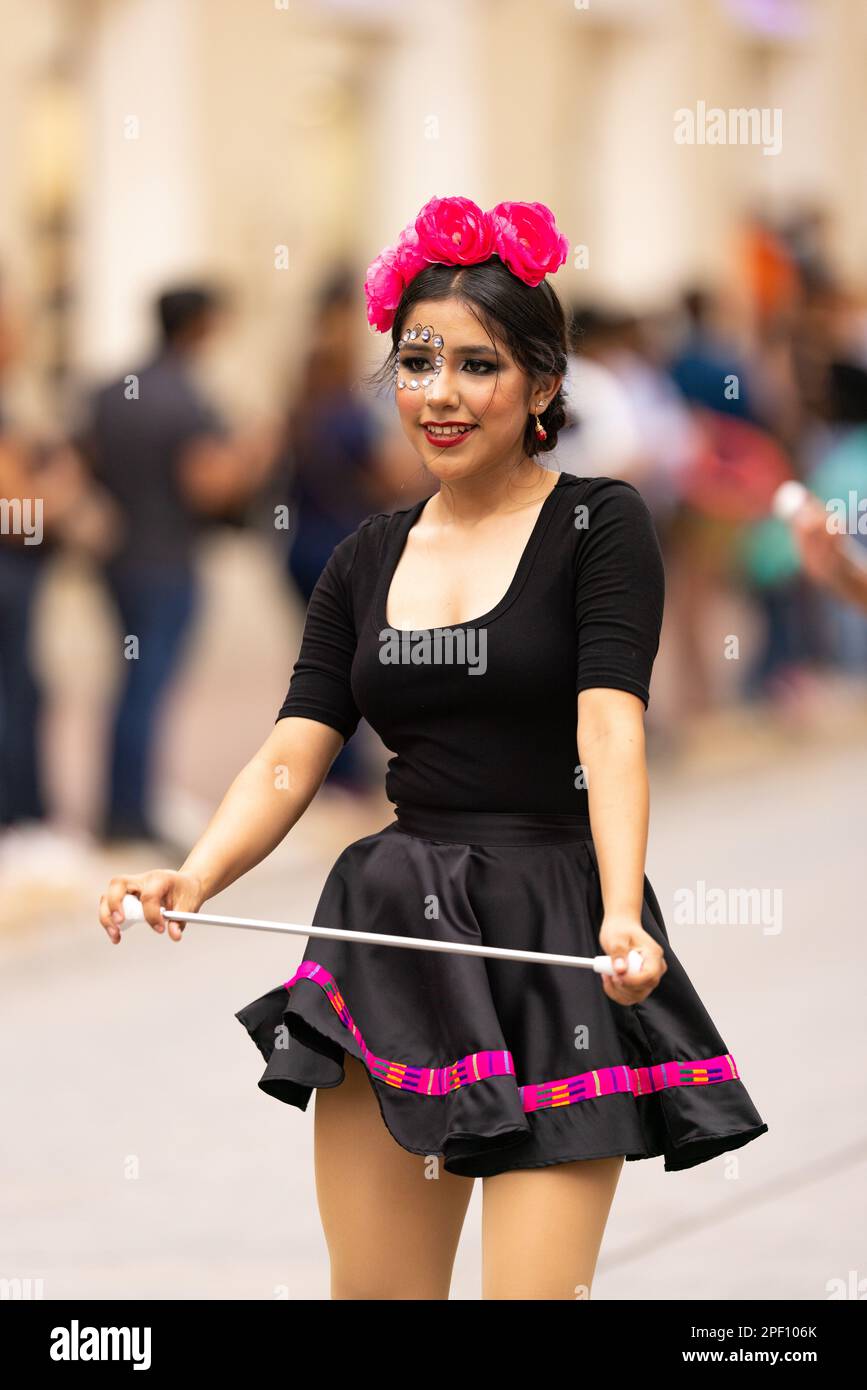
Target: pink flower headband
455, 231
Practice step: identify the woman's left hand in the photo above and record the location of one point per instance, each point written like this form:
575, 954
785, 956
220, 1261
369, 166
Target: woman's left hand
617, 937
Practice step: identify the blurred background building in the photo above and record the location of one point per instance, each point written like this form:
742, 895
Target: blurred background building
270, 151
706, 159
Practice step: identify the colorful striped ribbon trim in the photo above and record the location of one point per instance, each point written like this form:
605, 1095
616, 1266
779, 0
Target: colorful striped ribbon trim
476, 1066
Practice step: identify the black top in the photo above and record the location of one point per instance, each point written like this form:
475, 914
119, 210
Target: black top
482, 716
134, 446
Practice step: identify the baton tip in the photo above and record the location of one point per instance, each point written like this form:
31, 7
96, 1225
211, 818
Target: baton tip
132, 911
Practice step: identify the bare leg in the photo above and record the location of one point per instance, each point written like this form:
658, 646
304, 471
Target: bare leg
392, 1232
542, 1228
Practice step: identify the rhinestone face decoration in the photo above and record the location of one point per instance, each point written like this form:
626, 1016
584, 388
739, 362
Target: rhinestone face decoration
423, 333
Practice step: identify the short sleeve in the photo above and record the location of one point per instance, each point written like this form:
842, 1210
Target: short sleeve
619, 590
320, 686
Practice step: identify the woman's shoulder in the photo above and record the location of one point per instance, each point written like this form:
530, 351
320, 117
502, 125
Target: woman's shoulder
614, 501
603, 523
600, 486
376, 527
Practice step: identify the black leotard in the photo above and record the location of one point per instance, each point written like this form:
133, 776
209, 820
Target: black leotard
482, 716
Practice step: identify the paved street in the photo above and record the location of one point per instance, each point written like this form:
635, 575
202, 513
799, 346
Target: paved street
140, 1160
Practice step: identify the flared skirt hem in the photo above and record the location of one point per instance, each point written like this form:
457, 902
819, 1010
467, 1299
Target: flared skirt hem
476, 1060
485, 1153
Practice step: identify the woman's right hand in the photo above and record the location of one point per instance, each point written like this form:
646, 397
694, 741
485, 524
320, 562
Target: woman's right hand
156, 889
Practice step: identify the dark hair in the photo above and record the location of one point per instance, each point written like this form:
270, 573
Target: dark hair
177, 309
528, 319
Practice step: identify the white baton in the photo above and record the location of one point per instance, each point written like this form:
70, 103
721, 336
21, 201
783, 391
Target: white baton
132, 911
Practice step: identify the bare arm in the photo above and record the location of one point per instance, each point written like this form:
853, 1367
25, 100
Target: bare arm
611, 747
268, 796
277, 785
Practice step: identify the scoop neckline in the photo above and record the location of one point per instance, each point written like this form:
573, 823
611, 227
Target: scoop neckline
525, 563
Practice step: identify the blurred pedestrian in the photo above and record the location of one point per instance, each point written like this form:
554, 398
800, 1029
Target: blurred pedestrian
166, 455
47, 502
707, 366
826, 556
331, 451
23, 552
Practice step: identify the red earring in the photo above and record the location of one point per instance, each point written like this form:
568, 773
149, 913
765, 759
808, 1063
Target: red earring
540, 429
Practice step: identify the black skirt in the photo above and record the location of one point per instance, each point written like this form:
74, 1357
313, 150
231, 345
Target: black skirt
496, 1065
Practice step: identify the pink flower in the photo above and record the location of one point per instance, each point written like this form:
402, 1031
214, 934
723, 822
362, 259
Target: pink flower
388, 276
454, 231
527, 240
383, 287
410, 258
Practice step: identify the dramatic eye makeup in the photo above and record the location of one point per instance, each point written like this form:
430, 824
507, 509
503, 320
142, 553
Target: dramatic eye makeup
421, 338
474, 365
420, 354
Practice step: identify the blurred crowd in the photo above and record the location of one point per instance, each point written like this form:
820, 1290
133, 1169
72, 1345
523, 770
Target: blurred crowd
705, 404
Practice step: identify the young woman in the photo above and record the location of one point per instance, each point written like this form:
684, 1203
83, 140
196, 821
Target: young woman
479, 631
